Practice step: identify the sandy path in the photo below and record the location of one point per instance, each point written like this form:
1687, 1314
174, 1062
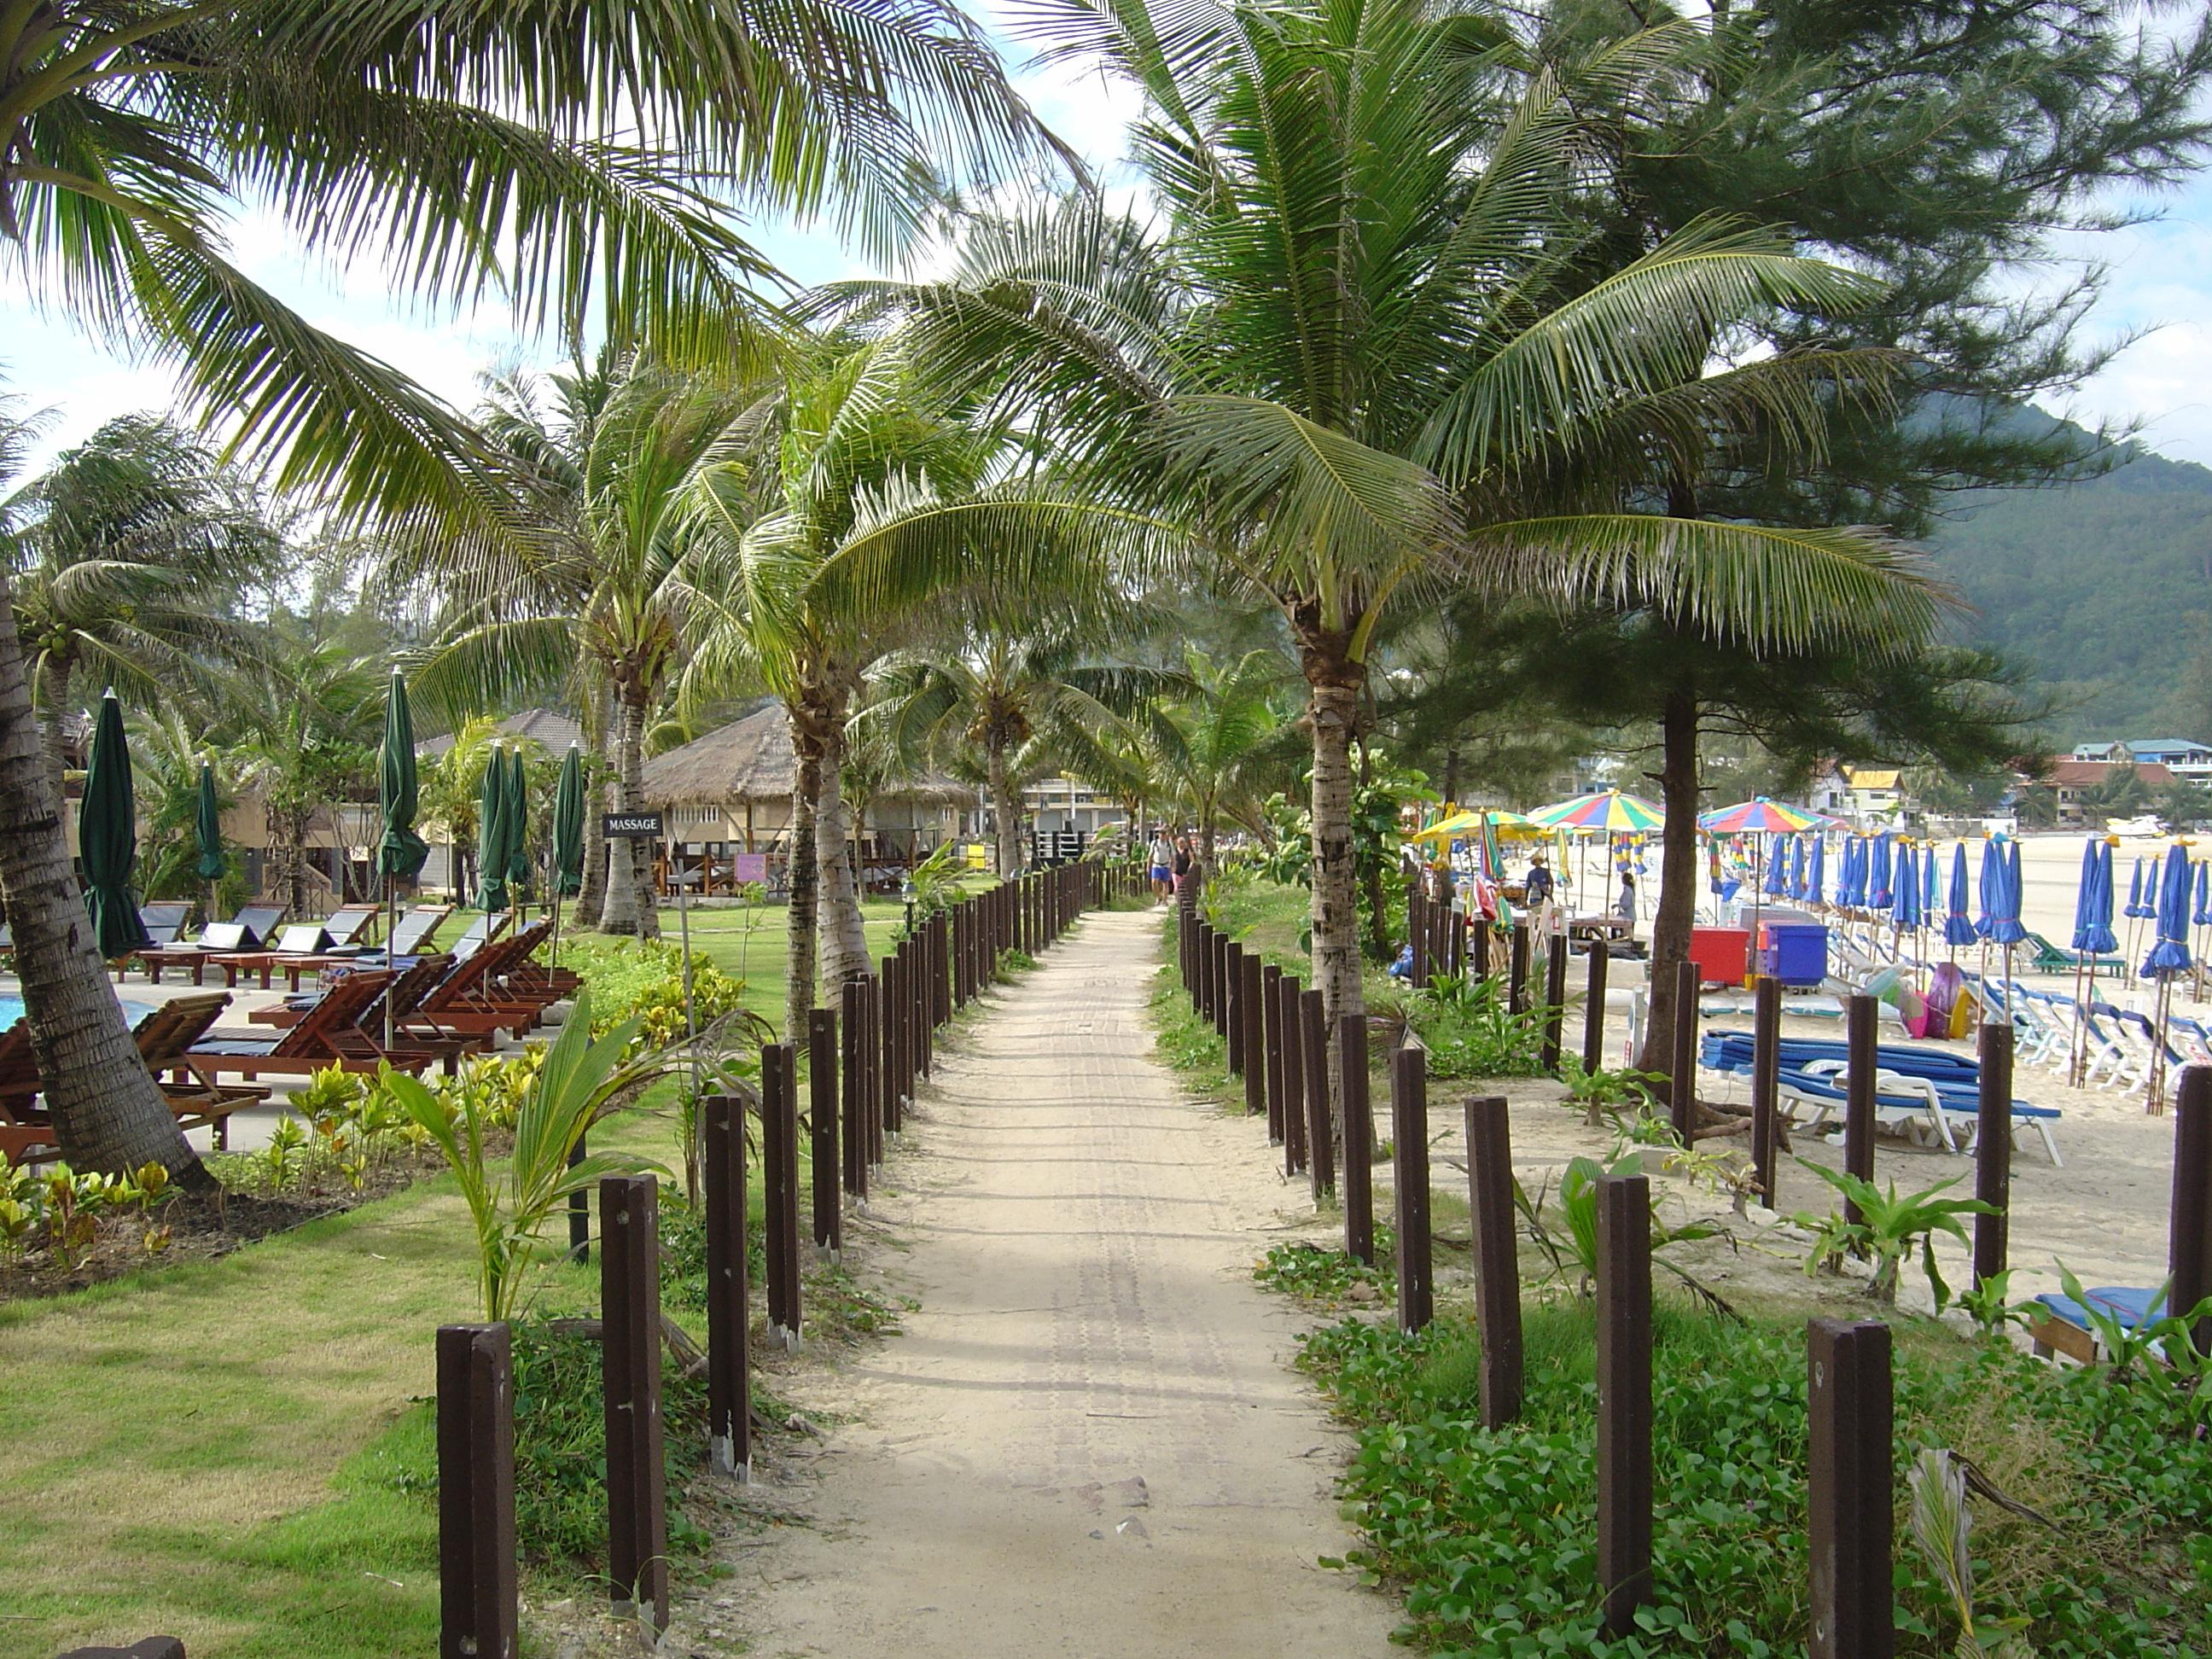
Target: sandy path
1087, 1443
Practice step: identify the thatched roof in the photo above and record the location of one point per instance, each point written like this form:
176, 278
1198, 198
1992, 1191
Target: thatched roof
552, 730
750, 760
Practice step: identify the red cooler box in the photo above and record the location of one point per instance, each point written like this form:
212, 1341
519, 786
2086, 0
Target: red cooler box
1723, 954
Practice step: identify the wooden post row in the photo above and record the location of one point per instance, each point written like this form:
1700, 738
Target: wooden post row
1294, 1090
822, 1107
1624, 1398
1497, 1257
1682, 1085
1593, 1007
1860, 1012
780, 1186
1358, 1138
1765, 1084
478, 1615
1409, 1146
1313, 1062
1271, 1033
1848, 1495
729, 1319
630, 1295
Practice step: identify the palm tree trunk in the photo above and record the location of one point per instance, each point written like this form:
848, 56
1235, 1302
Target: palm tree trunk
807, 743
630, 904
53, 692
1678, 875
1006, 811
592, 897
108, 1115
844, 936
1335, 714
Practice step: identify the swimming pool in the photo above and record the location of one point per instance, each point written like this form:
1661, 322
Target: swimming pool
11, 1010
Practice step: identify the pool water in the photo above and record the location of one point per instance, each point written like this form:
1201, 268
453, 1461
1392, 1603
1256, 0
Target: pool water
11, 1010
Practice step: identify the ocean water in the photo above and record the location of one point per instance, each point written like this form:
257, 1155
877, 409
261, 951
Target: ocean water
11, 1010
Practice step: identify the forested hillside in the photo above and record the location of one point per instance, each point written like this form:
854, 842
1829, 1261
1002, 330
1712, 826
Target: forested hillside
2104, 588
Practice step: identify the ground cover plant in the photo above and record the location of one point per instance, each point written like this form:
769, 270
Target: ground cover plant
1490, 1535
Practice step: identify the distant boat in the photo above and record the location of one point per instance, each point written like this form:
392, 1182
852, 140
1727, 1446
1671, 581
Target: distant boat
2146, 828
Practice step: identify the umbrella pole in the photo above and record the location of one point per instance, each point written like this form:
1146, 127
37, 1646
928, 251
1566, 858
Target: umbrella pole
2075, 1055
2154, 1087
391, 927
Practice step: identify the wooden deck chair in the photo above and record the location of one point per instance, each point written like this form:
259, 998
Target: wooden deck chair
349, 923
164, 919
467, 1002
302, 942
19, 1069
325, 1037
244, 931
164, 1036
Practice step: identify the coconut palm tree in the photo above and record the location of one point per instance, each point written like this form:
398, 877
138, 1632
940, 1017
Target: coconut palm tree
1374, 353
604, 589
997, 689
127, 568
581, 160
821, 551
1215, 744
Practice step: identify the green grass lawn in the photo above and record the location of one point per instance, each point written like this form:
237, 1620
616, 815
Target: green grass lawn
209, 1451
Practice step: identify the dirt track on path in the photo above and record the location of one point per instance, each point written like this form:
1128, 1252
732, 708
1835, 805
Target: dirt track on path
1088, 1442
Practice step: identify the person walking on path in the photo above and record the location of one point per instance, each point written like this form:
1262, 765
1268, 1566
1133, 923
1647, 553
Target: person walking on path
1162, 867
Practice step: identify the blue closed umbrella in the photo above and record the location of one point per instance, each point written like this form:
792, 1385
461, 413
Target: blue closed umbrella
1815, 877
1777, 866
1850, 878
1797, 869
2170, 955
2136, 908
1878, 877
2001, 895
1957, 928
1906, 876
2203, 893
2092, 906
1928, 895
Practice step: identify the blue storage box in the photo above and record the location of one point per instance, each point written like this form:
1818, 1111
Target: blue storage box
1795, 952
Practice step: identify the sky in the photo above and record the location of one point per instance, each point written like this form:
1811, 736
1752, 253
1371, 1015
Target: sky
2159, 289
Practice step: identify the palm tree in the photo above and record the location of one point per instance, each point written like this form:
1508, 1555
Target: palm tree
603, 588
1215, 745
820, 550
127, 569
1376, 353
517, 148
996, 689
310, 747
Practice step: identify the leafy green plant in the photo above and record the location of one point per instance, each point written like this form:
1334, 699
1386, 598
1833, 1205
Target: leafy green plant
1989, 1303
1469, 1029
938, 885
1315, 1272
1603, 1091
285, 1140
1012, 964
1888, 1227
580, 1077
1574, 1257
1940, 1523
2127, 1348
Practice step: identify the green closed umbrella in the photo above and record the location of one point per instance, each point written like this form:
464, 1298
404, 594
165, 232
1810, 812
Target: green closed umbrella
107, 837
400, 854
568, 827
518, 830
207, 825
491, 834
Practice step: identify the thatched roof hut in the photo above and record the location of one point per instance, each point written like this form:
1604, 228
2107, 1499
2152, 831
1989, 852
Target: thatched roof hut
750, 762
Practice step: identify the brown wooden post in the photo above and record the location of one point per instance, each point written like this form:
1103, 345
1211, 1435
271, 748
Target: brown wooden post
729, 1316
1409, 1149
1593, 1006
1232, 1008
1220, 971
940, 964
629, 1296
1859, 1036
2188, 1240
1294, 1069
1271, 1031
1682, 1085
1312, 1037
822, 1123
891, 1008
1555, 1001
1479, 937
478, 1612
1358, 1138
1251, 1033
780, 1186
1517, 977
1849, 1490
1417, 932
853, 1084
1765, 1084
1496, 1256
1623, 1397
871, 1047
1993, 1152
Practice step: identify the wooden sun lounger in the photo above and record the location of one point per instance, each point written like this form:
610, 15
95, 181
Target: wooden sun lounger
300, 943
243, 932
328, 1036
27, 1133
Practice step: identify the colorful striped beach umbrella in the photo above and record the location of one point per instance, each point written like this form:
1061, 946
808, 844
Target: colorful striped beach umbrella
1608, 811
1762, 815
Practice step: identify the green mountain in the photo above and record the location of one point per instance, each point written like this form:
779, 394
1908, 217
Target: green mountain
2103, 588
